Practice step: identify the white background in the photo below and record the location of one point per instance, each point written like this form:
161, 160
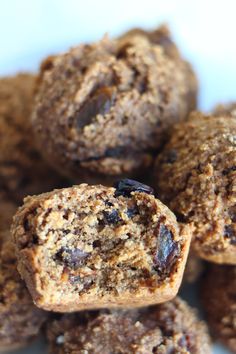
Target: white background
204, 29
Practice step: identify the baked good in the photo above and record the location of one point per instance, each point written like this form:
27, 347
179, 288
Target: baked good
102, 109
218, 297
94, 247
193, 269
7, 211
22, 170
195, 175
161, 36
172, 327
228, 109
20, 319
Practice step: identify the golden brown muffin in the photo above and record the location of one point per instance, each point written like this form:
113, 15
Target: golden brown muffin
22, 170
219, 301
196, 177
102, 109
172, 327
91, 247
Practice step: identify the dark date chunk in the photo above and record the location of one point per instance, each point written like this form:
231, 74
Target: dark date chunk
123, 51
72, 258
232, 213
226, 171
47, 64
126, 186
167, 249
171, 156
85, 281
229, 232
99, 103
111, 217
118, 151
97, 244
186, 341
131, 212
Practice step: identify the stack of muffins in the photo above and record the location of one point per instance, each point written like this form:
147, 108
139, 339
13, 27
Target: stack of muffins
131, 183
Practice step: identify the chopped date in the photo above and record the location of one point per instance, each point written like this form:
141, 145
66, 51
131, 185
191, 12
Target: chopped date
72, 258
230, 233
99, 103
126, 186
166, 251
111, 217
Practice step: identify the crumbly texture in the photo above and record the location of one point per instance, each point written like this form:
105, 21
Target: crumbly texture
20, 319
161, 36
218, 297
196, 177
228, 109
102, 109
194, 268
22, 170
94, 246
172, 327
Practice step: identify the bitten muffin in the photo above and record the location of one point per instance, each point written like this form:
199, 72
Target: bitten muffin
172, 327
95, 247
102, 109
218, 297
22, 170
196, 177
20, 319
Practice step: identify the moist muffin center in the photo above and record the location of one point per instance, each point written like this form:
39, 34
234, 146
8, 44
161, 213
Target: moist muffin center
106, 242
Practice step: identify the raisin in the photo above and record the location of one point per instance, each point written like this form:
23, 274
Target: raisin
47, 64
232, 213
111, 217
108, 203
126, 186
131, 212
118, 151
123, 51
167, 249
86, 281
180, 217
96, 243
35, 239
26, 225
171, 156
72, 258
227, 170
230, 233
186, 342
99, 103
142, 85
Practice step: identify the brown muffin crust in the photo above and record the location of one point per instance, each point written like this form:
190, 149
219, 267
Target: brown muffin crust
196, 177
161, 36
102, 109
172, 327
218, 297
95, 247
228, 109
22, 170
